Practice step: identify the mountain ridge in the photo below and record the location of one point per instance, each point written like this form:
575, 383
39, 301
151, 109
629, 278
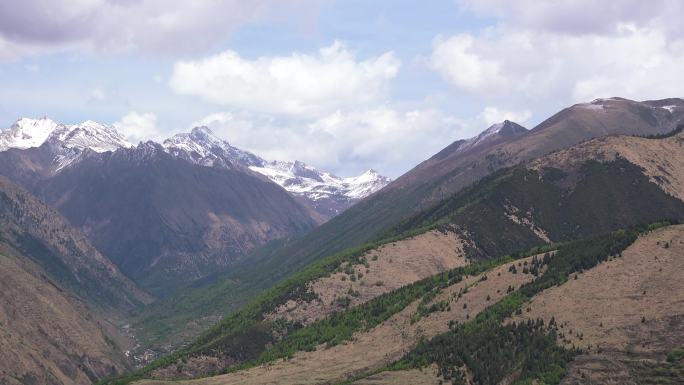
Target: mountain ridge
326, 193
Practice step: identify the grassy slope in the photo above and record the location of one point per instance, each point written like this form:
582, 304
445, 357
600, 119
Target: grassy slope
493, 351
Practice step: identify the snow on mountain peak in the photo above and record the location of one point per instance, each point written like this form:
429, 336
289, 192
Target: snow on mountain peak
27, 133
201, 146
302, 179
89, 135
366, 184
67, 142
506, 127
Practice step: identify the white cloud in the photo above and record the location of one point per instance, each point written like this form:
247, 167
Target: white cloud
581, 17
298, 84
459, 62
347, 143
139, 127
527, 67
40, 26
491, 115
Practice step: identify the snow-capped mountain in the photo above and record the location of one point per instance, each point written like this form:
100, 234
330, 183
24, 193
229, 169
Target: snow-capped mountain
328, 194
299, 178
89, 134
27, 133
202, 147
67, 142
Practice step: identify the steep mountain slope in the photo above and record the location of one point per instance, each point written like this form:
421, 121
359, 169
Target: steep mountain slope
378, 213
327, 194
48, 336
58, 297
625, 313
601, 117
38, 232
165, 221
522, 208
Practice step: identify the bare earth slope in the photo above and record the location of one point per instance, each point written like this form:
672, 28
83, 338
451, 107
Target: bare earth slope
661, 159
46, 335
622, 310
386, 268
58, 297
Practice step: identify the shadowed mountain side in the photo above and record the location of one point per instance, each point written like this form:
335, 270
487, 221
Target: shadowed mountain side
165, 221
44, 236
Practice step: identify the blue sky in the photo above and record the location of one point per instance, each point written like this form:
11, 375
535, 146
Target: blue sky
342, 85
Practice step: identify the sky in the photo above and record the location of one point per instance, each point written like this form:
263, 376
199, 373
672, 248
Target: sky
342, 85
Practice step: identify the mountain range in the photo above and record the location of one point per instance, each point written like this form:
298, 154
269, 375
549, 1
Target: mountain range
193, 259
167, 214
326, 193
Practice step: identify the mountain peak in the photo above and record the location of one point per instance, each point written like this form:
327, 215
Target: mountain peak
505, 129
202, 146
203, 132
89, 135
27, 132
67, 142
